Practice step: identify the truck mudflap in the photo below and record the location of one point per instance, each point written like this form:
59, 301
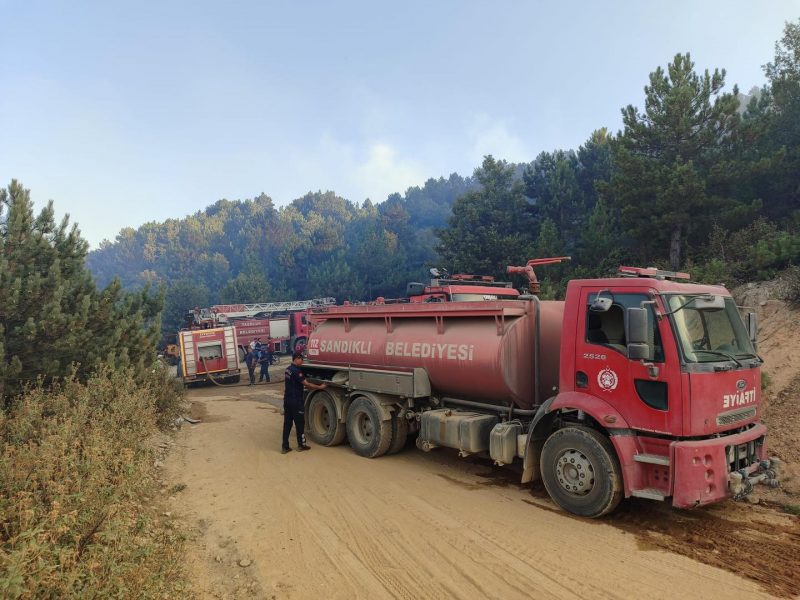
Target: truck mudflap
707, 471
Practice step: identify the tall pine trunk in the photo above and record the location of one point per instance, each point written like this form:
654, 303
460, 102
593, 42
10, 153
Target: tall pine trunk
675, 248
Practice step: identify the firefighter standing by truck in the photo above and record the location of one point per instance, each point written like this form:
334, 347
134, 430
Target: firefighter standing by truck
251, 360
265, 360
293, 404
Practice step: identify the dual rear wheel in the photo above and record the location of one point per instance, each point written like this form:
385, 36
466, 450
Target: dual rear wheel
366, 430
323, 422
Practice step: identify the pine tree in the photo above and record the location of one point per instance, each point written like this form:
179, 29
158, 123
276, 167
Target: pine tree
782, 131
52, 317
600, 252
491, 227
664, 156
551, 181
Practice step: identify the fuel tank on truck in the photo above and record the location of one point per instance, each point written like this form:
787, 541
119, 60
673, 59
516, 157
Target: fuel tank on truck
482, 351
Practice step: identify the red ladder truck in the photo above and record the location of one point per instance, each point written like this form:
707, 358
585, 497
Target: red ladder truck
642, 385
283, 325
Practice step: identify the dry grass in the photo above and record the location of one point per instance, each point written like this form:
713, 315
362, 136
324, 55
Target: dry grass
78, 515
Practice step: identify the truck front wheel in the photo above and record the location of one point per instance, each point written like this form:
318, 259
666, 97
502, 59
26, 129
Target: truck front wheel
323, 425
369, 436
581, 472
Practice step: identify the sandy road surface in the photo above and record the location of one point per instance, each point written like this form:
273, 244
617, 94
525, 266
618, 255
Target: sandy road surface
329, 524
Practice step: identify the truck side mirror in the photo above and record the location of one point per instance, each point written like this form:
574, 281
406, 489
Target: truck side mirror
637, 334
637, 326
600, 304
638, 352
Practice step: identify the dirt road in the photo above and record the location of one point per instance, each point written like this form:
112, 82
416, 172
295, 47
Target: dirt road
329, 524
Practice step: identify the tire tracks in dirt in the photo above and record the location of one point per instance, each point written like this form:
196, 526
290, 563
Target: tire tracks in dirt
329, 524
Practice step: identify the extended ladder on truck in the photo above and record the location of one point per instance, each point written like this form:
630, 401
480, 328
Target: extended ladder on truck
233, 311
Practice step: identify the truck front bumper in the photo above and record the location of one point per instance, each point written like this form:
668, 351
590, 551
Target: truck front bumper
707, 471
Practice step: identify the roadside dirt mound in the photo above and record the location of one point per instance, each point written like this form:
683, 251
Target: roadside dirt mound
783, 420
779, 337
779, 331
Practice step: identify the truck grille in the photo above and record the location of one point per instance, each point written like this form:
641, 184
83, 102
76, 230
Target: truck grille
735, 416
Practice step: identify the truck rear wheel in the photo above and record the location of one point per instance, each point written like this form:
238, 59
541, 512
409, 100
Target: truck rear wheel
399, 433
323, 425
581, 472
369, 436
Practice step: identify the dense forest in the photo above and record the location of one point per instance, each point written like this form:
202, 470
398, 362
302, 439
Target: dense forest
700, 178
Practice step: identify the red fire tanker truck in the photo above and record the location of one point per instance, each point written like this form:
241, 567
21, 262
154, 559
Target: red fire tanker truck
641, 385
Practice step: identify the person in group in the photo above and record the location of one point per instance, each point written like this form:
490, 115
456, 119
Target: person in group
265, 360
293, 403
251, 360
253, 344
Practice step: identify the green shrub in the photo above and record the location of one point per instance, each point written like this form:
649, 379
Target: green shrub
766, 380
167, 392
77, 483
713, 272
792, 509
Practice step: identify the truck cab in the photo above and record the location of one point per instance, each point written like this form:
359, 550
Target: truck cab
670, 370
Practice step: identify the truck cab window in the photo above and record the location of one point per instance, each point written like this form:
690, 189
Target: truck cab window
608, 328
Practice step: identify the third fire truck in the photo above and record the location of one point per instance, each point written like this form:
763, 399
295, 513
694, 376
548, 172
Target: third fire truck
283, 326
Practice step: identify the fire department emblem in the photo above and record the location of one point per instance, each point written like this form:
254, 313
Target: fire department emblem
607, 380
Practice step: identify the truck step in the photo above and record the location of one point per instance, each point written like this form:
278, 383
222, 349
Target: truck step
652, 459
650, 494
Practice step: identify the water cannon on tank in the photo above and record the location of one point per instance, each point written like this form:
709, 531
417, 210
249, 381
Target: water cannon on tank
533, 282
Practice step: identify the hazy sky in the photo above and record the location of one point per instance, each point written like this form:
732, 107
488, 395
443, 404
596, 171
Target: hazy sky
126, 112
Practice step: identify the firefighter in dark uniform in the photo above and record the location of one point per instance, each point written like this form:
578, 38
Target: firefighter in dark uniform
293, 405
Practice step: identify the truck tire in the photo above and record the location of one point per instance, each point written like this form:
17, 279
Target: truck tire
235, 379
581, 472
368, 435
323, 425
399, 433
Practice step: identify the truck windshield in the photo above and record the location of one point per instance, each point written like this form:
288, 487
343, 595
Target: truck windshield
710, 335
